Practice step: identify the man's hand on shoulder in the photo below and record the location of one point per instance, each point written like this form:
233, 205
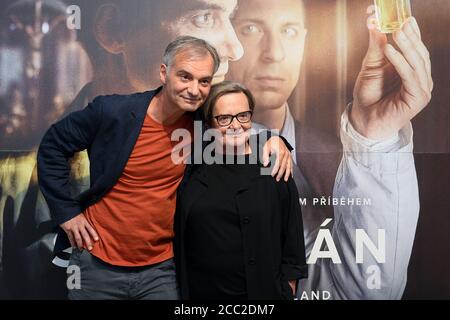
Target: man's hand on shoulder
283, 162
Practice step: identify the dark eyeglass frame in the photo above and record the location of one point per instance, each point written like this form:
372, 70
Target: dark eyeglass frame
232, 118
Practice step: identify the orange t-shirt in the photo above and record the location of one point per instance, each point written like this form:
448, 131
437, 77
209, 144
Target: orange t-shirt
134, 220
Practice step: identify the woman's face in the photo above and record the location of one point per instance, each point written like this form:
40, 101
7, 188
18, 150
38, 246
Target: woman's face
235, 130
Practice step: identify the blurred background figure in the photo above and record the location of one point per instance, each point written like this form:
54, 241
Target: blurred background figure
42, 67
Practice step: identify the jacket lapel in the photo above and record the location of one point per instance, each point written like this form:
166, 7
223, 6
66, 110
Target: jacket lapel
254, 175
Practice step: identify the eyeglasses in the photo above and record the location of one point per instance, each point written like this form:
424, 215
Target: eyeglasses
225, 119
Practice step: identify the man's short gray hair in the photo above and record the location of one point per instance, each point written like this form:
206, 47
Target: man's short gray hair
196, 46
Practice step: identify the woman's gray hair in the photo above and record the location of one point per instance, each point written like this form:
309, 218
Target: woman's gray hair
221, 89
196, 46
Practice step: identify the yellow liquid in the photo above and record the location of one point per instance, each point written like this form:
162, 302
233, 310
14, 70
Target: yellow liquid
392, 14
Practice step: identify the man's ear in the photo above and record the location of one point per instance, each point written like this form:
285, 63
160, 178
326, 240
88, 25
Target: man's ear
163, 70
108, 28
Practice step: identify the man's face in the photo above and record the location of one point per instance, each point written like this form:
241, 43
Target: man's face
211, 21
188, 80
273, 36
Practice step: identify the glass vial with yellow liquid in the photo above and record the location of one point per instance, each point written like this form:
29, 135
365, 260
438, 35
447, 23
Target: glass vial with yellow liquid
392, 14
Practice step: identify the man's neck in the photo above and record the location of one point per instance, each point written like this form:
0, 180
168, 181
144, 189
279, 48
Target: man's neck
162, 110
272, 119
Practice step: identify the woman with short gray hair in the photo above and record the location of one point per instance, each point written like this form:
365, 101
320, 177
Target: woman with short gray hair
227, 245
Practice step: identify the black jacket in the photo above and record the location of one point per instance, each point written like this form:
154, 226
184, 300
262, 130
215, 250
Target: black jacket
272, 227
